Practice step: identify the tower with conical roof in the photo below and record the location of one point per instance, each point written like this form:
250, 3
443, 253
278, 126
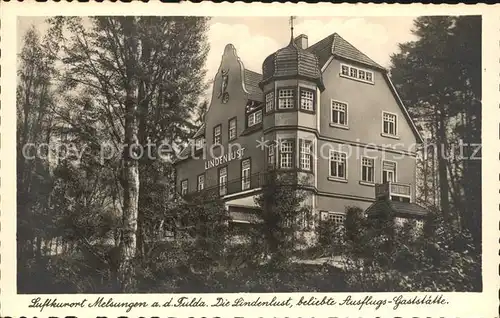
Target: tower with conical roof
325, 114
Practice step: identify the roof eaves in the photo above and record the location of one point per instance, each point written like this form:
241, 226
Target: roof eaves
403, 107
200, 131
366, 61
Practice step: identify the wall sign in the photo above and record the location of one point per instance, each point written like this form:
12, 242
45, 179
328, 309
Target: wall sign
238, 154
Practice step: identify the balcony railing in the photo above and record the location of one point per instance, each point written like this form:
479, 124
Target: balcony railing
390, 189
234, 186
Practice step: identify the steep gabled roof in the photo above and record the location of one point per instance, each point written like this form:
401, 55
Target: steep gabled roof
200, 131
335, 45
186, 150
252, 80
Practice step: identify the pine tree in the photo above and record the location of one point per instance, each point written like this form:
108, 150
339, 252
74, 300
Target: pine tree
438, 77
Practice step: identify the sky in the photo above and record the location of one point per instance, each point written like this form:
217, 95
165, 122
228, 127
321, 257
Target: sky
256, 37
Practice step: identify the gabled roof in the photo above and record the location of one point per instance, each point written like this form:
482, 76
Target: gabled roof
200, 132
186, 150
336, 45
252, 80
397, 207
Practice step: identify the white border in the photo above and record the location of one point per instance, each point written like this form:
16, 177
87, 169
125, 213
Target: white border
483, 304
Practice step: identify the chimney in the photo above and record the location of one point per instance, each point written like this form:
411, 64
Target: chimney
301, 41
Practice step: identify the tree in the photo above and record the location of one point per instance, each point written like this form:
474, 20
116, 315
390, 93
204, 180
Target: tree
381, 255
142, 77
438, 77
285, 215
34, 131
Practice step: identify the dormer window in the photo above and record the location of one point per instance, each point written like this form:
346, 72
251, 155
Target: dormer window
254, 118
356, 73
286, 98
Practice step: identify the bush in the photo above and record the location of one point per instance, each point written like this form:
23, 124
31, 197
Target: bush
379, 256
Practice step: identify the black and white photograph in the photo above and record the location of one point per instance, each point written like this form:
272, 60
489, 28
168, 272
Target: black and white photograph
248, 154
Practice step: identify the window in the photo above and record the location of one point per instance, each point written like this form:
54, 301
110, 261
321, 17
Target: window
399, 221
271, 155
337, 218
305, 219
369, 77
356, 73
345, 70
389, 123
269, 102
184, 187
232, 128
245, 174
201, 182
367, 169
361, 75
339, 113
419, 226
305, 155
254, 118
388, 171
200, 141
223, 181
338, 165
217, 135
306, 99
286, 99
286, 154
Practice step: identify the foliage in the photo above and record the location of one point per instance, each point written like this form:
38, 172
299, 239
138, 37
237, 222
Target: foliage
128, 80
285, 215
113, 75
383, 256
439, 78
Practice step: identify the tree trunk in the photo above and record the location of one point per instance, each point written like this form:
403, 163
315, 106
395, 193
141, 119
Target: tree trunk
143, 139
442, 164
130, 180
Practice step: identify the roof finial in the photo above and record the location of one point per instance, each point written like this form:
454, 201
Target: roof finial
292, 18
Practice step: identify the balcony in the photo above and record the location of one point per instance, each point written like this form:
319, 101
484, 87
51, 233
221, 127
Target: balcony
234, 186
391, 190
